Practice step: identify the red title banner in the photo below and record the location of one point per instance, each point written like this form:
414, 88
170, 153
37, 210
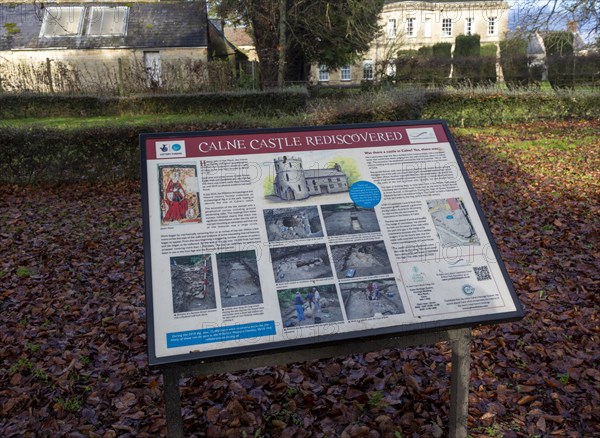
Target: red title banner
222, 145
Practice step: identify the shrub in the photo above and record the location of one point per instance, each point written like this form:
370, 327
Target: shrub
467, 46
16, 106
487, 72
560, 59
376, 106
442, 50
425, 51
38, 154
406, 66
441, 62
423, 67
126, 76
474, 64
514, 61
588, 69
487, 108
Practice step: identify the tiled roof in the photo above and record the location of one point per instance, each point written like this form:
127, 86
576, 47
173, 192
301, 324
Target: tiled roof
149, 25
238, 36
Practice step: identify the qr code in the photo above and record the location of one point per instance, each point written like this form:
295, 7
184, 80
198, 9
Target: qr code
482, 273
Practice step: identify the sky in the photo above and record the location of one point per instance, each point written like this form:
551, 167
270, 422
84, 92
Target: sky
519, 9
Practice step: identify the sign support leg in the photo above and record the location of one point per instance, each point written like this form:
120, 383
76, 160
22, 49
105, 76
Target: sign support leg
459, 383
173, 402
460, 341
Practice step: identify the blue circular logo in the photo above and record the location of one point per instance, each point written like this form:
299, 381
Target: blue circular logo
176, 147
449, 217
365, 194
468, 289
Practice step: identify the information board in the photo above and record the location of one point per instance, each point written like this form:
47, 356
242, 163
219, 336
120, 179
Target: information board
270, 239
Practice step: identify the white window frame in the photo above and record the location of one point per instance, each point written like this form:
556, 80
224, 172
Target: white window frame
368, 70
345, 73
392, 28
492, 28
118, 14
410, 27
469, 25
323, 73
446, 27
427, 27
69, 19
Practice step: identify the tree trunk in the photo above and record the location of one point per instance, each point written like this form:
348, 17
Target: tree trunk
282, 43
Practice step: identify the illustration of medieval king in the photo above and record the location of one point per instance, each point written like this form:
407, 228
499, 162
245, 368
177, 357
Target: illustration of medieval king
177, 205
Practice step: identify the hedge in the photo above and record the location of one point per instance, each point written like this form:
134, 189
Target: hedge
442, 53
19, 106
488, 109
467, 46
38, 154
588, 69
515, 62
474, 64
560, 59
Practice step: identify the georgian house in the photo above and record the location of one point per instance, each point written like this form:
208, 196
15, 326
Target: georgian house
409, 25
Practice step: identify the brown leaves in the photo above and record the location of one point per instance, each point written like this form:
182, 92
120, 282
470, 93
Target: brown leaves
72, 319
543, 199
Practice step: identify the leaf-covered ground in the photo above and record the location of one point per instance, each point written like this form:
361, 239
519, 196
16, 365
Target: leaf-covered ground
72, 318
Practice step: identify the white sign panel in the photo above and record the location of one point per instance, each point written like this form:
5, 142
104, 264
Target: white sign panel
266, 239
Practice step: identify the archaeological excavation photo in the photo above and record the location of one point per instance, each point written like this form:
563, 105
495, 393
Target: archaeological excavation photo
309, 305
373, 298
452, 222
192, 283
306, 262
293, 223
239, 281
349, 218
361, 259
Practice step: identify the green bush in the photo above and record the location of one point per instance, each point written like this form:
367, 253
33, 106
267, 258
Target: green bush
16, 106
442, 50
466, 60
406, 53
423, 67
440, 63
587, 69
559, 43
425, 51
560, 59
377, 106
467, 46
406, 66
38, 154
487, 72
474, 64
514, 61
493, 108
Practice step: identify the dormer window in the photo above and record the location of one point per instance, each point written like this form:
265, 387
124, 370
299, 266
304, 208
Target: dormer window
62, 21
98, 21
108, 20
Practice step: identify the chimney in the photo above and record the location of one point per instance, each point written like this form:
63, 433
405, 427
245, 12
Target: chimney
572, 26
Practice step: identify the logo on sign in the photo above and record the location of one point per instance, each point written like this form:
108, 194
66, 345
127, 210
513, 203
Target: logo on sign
170, 149
421, 135
468, 289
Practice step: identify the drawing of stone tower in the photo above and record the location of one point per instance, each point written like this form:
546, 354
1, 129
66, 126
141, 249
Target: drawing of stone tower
290, 183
